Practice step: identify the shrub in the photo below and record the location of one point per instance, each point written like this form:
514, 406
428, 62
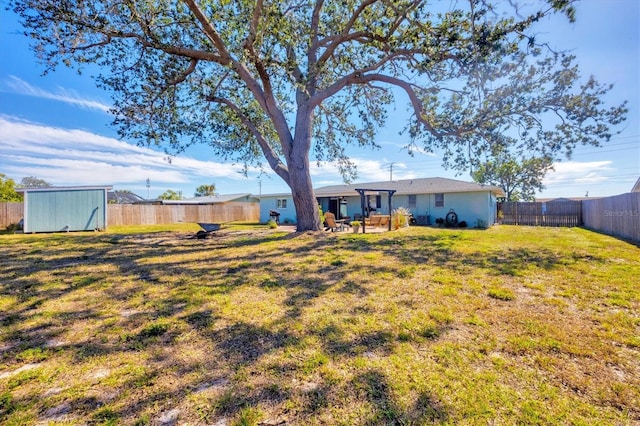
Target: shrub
400, 217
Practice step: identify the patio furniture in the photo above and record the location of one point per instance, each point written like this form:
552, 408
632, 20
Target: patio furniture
332, 223
374, 220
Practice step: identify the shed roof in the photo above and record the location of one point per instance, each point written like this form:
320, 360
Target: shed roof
64, 188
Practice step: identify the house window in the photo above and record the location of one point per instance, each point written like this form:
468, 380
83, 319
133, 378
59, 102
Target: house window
440, 200
281, 203
412, 201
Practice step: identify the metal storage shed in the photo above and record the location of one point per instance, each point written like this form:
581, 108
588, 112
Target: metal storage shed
59, 209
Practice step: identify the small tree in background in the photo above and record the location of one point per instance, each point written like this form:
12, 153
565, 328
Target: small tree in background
33, 182
8, 189
519, 178
170, 195
206, 190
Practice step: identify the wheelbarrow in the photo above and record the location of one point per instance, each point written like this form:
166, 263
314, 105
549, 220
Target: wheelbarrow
207, 228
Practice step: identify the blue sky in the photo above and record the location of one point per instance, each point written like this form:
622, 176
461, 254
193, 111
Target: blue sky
56, 127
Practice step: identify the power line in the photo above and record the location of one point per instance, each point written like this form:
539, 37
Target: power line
391, 172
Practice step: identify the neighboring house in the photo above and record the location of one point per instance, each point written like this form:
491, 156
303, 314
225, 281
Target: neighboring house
213, 199
122, 197
281, 203
71, 208
427, 198
561, 199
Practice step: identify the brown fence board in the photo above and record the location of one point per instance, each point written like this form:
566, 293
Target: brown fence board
10, 213
144, 214
565, 213
618, 216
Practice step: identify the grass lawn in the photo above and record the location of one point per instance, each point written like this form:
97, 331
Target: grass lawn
511, 325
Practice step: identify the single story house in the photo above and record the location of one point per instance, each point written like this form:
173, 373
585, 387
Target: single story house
70, 208
427, 199
213, 199
124, 197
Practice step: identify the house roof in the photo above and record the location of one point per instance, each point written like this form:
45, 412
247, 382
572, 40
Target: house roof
409, 186
121, 197
636, 187
213, 199
549, 200
63, 188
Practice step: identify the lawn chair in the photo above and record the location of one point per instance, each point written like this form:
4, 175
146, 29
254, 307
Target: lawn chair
331, 224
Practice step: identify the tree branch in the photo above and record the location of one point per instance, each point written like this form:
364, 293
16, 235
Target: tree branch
269, 153
208, 29
183, 76
337, 40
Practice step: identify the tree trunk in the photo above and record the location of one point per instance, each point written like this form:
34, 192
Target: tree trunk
308, 218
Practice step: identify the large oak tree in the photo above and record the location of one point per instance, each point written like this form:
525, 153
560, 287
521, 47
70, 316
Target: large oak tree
290, 81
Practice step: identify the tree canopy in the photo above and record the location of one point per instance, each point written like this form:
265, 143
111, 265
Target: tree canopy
170, 194
33, 182
205, 190
518, 178
8, 189
294, 80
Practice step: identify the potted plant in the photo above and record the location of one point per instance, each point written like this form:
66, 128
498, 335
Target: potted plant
355, 224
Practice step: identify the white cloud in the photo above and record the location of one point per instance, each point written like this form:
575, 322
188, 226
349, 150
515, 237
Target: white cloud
77, 157
21, 87
368, 171
579, 172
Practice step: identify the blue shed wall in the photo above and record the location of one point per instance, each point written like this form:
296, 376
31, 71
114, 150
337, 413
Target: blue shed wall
65, 210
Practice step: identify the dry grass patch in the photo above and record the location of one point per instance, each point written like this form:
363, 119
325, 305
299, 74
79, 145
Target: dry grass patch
260, 326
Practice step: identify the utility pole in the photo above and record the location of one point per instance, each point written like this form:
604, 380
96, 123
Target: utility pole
148, 186
391, 172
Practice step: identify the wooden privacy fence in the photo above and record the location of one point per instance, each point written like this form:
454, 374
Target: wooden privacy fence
618, 215
553, 213
144, 214
10, 213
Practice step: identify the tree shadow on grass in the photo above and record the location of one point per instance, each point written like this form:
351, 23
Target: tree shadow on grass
373, 386
243, 343
440, 251
218, 270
